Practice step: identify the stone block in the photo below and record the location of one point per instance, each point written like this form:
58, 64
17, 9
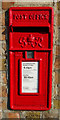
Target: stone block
4, 91
0, 49
4, 78
57, 63
4, 104
58, 50
0, 33
1, 115
7, 5
11, 115
57, 77
58, 5
0, 17
0, 104
3, 18
4, 49
56, 104
0, 90
32, 115
0, 76
59, 19
50, 114
2, 64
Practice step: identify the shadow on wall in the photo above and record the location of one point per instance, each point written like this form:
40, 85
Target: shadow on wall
7, 54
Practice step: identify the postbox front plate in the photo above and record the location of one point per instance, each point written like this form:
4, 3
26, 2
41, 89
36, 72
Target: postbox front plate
30, 57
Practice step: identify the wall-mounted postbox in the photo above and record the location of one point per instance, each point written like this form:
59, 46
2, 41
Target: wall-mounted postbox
30, 57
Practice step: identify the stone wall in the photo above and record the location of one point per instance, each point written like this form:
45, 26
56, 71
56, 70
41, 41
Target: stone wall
5, 112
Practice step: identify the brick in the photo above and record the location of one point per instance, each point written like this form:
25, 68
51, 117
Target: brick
23, 114
4, 78
58, 50
57, 63
0, 49
58, 5
57, 77
55, 91
4, 53
4, 91
2, 64
3, 18
59, 36
0, 33
0, 18
0, 90
3, 33
58, 91
55, 18
32, 115
11, 115
59, 19
4, 46
44, 2
56, 104
50, 114
0, 76
6, 5
1, 115
0, 103
0, 5
4, 104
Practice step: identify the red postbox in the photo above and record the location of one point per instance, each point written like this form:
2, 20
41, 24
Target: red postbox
30, 57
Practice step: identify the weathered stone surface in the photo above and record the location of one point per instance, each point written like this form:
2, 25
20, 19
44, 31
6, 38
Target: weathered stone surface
4, 104
4, 91
57, 63
0, 49
55, 90
59, 36
0, 18
58, 91
0, 104
0, 90
4, 49
4, 78
11, 115
56, 104
58, 50
57, 77
1, 115
2, 64
3, 18
32, 114
0, 33
4, 46
6, 5
3, 33
58, 5
50, 114
59, 19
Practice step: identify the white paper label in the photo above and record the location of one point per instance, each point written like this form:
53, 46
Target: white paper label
29, 77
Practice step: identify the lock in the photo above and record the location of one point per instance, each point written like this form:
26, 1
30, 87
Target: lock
30, 57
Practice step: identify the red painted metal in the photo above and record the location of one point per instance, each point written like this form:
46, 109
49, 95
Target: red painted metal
30, 29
